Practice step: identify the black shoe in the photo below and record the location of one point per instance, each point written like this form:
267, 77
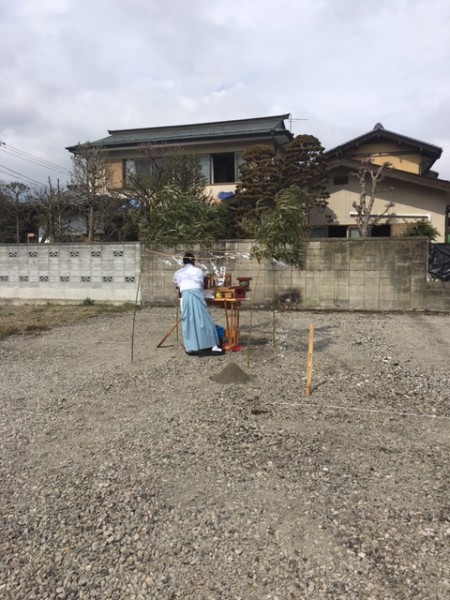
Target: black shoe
210, 352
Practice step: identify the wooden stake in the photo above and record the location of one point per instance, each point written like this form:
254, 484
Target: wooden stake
310, 360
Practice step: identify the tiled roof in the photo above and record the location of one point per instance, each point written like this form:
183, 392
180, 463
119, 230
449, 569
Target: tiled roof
257, 127
380, 134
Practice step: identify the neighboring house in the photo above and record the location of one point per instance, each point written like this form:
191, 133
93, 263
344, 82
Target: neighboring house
415, 190
218, 145
410, 183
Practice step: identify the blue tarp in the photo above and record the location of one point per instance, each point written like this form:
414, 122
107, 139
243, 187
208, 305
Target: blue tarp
225, 195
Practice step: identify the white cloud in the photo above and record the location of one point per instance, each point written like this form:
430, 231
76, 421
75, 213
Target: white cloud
72, 69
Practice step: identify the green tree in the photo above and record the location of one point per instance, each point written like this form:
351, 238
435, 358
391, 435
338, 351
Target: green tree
7, 220
264, 174
304, 164
170, 204
282, 233
422, 228
184, 176
259, 183
184, 217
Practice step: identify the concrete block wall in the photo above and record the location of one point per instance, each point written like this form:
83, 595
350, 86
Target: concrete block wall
160, 263
69, 272
375, 274
379, 274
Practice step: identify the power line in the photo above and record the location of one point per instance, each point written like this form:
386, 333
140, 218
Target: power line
11, 172
32, 158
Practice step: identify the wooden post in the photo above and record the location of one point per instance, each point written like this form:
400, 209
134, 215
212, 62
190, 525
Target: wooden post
310, 360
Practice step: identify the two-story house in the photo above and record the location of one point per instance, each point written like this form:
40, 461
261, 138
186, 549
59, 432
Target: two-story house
410, 184
217, 145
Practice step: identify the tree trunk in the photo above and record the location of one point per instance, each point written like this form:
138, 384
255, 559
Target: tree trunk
91, 225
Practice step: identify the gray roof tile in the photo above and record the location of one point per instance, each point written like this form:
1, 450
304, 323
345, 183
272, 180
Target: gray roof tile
256, 127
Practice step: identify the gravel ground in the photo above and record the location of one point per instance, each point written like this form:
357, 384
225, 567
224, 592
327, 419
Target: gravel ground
148, 480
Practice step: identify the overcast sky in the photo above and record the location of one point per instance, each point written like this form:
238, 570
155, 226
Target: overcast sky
72, 69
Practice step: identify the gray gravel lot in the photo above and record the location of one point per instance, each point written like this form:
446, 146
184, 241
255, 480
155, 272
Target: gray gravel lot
148, 480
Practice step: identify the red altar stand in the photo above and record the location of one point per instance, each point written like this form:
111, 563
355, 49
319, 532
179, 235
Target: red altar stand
230, 298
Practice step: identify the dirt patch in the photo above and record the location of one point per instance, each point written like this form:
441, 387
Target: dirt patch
232, 373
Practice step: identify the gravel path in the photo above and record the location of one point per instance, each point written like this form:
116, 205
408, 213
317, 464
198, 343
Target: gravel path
147, 480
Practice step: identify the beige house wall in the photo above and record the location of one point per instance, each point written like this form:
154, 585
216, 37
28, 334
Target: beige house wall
381, 153
411, 203
116, 174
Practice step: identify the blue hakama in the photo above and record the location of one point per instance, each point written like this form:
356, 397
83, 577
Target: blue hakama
199, 331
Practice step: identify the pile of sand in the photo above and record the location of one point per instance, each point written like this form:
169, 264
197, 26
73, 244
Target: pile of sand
232, 374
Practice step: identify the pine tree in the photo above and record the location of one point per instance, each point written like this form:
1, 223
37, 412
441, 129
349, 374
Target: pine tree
304, 165
258, 186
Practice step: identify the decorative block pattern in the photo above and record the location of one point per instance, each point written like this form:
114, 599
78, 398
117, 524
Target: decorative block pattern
70, 272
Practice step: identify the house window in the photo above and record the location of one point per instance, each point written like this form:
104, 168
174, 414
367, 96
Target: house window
143, 168
203, 161
381, 230
318, 232
239, 161
337, 231
223, 168
138, 167
340, 180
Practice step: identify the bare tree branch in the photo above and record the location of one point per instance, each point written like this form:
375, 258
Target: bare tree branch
365, 220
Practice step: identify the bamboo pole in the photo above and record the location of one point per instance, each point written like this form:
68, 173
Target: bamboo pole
177, 315
310, 360
249, 340
134, 315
